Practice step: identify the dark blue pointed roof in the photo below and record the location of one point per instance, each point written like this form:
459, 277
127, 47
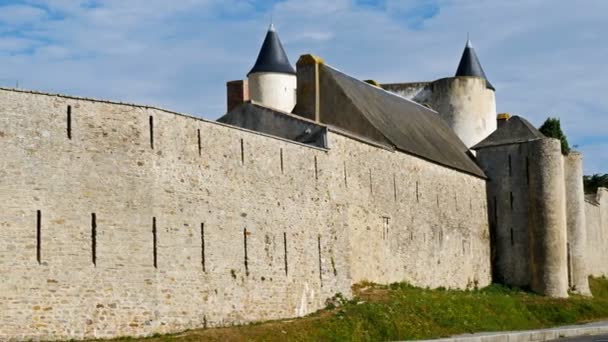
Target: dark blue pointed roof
272, 57
470, 66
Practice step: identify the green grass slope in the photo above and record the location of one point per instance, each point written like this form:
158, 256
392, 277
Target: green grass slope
400, 311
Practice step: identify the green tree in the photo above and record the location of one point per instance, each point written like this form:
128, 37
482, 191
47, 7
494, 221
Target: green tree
595, 181
552, 129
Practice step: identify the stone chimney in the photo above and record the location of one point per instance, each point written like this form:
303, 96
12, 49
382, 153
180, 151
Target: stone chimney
502, 119
237, 93
308, 93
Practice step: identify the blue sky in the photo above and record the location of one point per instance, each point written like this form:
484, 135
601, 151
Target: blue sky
545, 58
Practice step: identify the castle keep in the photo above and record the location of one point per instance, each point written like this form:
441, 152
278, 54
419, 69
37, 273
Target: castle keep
121, 219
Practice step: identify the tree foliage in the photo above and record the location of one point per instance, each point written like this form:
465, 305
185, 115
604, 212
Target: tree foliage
552, 129
595, 181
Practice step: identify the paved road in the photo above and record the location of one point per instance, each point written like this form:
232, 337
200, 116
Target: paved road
598, 338
600, 328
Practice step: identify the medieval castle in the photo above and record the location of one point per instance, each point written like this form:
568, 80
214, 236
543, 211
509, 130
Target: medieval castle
120, 219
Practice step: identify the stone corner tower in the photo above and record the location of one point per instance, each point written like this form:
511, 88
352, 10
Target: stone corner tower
466, 101
527, 206
272, 80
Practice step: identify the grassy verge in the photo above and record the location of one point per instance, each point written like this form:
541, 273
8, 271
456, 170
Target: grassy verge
399, 311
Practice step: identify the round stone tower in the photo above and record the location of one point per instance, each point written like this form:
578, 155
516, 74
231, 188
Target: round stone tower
272, 80
466, 101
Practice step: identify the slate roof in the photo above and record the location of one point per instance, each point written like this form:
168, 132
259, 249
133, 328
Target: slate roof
410, 127
272, 56
515, 130
256, 117
469, 65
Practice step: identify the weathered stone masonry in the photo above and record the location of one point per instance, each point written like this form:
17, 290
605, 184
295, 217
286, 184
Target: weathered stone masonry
544, 235
596, 212
239, 237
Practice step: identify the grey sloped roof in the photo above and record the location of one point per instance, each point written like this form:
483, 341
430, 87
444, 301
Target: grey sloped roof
255, 117
469, 65
515, 130
272, 56
410, 127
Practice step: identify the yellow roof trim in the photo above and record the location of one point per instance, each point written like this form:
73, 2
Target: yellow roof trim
309, 59
373, 82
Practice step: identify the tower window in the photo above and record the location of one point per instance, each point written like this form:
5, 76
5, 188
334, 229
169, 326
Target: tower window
246, 259
151, 124
154, 252
94, 238
69, 122
38, 235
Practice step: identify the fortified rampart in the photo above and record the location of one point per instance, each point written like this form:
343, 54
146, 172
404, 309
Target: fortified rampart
544, 234
547, 225
537, 215
596, 212
119, 219
578, 272
527, 214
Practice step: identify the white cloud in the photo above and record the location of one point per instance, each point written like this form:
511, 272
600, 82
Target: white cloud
13, 44
20, 14
309, 36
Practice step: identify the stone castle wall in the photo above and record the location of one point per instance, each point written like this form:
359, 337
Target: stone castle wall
409, 219
417, 91
547, 215
578, 273
596, 212
128, 220
528, 214
508, 169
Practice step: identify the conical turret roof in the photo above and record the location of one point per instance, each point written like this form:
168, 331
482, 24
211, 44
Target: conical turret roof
272, 57
470, 66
